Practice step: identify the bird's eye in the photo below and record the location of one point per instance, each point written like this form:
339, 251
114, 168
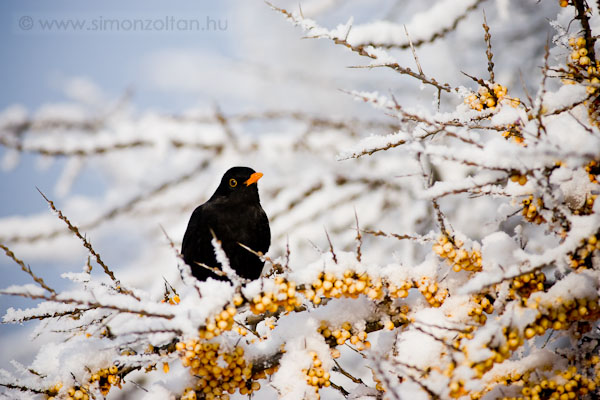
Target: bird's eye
232, 183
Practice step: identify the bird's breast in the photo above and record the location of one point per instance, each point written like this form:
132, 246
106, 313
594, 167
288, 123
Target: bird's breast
238, 223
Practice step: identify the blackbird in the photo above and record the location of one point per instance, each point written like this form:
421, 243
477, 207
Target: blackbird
235, 216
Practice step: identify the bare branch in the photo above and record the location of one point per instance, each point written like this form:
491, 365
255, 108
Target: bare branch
488, 51
26, 269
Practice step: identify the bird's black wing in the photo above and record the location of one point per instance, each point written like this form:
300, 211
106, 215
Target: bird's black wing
263, 233
196, 246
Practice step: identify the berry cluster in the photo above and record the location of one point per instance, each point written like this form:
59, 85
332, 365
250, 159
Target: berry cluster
512, 341
531, 211
189, 394
582, 69
399, 291
551, 316
456, 256
593, 170
482, 304
466, 334
220, 372
350, 285
316, 376
582, 257
523, 285
346, 332
218, 324
77, 393
398, 316
580, 60
457, 388
506, 380
563, 316
520, 179
53, 391
561, 385
434, 295
488, 99
270, 301
514, 132
106, 378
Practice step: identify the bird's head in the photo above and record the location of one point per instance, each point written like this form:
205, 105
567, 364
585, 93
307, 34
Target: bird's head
239, 183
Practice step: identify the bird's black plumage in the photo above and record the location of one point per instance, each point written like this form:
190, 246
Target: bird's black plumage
235, 216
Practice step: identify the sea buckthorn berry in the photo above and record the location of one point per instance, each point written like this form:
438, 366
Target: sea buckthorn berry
582, 258
434, 295
486, 98
456, 256
531, 208
221, 372
315, 375
515, 134
520, 179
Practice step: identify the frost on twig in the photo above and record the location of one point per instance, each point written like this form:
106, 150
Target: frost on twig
86, 243
379, 56
26, 268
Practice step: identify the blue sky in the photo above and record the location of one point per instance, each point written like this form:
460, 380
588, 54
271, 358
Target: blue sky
34, 61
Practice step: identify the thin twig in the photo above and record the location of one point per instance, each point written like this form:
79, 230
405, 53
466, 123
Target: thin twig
90, 304
488, 51
118, 210
397, 236
435, 36
364, 51
414, 52
338, 368
358, 239
331, 247
88, 246
26, 269
339, 388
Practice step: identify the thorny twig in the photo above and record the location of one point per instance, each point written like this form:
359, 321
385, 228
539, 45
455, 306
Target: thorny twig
88, 246
89, 304
331, 250
414, 52
118, 210
397, 236
26, 269
366, 51
185, 271
435, 36
488, 50
540, 110
358, 239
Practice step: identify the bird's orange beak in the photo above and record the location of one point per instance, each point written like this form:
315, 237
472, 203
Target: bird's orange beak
253, 178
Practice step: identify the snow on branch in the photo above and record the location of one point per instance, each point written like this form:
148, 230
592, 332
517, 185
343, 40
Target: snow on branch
379, 57
490, 289
424, 27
